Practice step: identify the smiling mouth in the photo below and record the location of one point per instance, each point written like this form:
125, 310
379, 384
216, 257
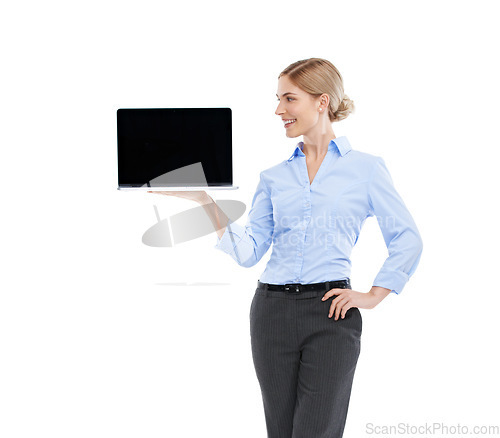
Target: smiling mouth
289, 122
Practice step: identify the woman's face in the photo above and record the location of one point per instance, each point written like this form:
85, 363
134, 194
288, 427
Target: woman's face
299, 106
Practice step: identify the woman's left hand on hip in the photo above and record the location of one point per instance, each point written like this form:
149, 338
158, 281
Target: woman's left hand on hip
347, 298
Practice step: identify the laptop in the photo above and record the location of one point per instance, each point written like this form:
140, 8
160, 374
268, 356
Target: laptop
175, 149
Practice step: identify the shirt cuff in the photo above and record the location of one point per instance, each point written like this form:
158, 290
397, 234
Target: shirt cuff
394, 280
225, 243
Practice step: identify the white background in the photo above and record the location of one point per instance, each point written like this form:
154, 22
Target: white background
102, 336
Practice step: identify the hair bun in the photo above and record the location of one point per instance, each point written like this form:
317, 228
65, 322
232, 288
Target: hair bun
345, 108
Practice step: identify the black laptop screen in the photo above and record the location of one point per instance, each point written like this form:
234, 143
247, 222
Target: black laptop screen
156, 141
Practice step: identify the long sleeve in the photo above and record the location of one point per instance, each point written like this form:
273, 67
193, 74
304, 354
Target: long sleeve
400, 232
247, 245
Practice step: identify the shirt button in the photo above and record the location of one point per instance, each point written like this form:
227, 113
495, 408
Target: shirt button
300, 254
307, 204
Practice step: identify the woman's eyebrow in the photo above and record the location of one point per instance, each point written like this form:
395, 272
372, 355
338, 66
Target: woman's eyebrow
284, 94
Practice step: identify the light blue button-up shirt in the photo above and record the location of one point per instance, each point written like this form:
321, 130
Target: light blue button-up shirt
314, 226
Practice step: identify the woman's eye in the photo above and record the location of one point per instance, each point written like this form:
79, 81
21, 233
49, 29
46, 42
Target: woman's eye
287, 98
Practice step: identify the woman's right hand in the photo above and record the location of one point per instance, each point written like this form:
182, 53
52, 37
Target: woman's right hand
195, 195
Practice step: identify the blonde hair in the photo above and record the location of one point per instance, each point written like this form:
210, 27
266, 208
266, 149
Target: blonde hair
317, 76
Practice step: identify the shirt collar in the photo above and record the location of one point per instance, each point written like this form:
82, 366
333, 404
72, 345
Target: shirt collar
341, 143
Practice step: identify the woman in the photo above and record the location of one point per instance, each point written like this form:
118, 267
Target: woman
305, 322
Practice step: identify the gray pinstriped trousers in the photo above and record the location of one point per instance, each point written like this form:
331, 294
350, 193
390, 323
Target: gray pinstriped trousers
304, 362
